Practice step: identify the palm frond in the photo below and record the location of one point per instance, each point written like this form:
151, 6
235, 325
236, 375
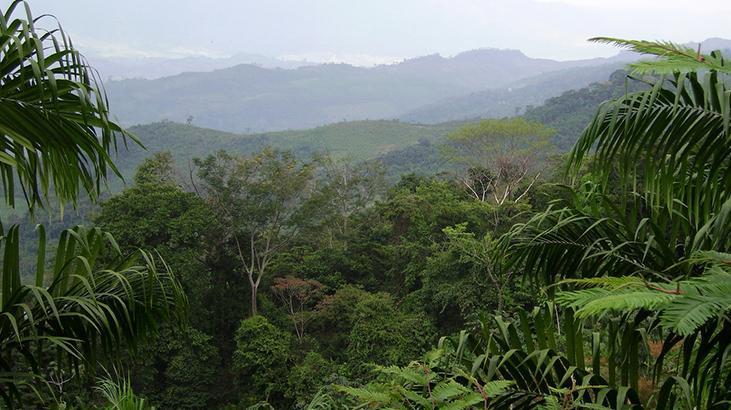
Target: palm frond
675, 137
87, 310
56, 131
671, 57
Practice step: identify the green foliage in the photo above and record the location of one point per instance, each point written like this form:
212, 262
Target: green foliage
120, 396
177, 369
360, 327
671, 57
307, 378
419, 386
650, 239
381, 334
683, 305
260, 361
88, 309
503, 364
56, 130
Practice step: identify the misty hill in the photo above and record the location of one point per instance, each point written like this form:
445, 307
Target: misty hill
358, 140
511, 101
572, 111
120, 68
529, 94
402, 147
252, 98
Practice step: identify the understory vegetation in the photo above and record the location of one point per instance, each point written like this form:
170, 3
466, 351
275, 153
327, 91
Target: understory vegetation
513, 275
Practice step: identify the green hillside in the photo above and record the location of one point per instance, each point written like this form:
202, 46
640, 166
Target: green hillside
570, 112
401, 146
358, 140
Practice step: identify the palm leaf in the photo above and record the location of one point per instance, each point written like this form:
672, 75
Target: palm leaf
57, 134
87, 310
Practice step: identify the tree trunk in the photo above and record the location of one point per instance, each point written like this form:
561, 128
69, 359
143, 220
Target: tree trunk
254, 290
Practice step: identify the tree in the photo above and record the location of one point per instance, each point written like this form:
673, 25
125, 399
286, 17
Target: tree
57, 138
261, 357
307, 377
347, 188
298, 296
158, 170
481, 252
157, 214
359, 327
500, 159
177, 369
261, 201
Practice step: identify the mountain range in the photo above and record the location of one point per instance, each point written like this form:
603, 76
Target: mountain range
153, 67
402, 147
430, 89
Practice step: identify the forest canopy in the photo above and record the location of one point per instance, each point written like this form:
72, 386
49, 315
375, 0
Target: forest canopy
576, 254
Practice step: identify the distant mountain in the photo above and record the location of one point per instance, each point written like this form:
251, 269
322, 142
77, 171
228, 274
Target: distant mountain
534, 91
253, 98
121, 68
572, 111
513, 100
401, 147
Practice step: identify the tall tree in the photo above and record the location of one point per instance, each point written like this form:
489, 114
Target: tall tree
347, 188
501, 158
262, 202
298, 296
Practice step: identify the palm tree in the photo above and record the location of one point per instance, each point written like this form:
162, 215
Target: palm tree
56, 139
639, 256
56, 129
647, 243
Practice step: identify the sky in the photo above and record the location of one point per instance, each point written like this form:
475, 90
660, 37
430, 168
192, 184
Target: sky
367, 32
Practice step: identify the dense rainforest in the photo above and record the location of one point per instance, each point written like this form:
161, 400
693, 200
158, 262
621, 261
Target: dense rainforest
574, 255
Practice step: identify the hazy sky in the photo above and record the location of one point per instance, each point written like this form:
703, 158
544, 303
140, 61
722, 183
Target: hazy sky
377, 31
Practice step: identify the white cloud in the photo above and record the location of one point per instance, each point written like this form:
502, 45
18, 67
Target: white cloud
107, 49
361, 60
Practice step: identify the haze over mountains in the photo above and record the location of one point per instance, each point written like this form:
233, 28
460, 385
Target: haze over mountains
400, 146
429, 89
152, 67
